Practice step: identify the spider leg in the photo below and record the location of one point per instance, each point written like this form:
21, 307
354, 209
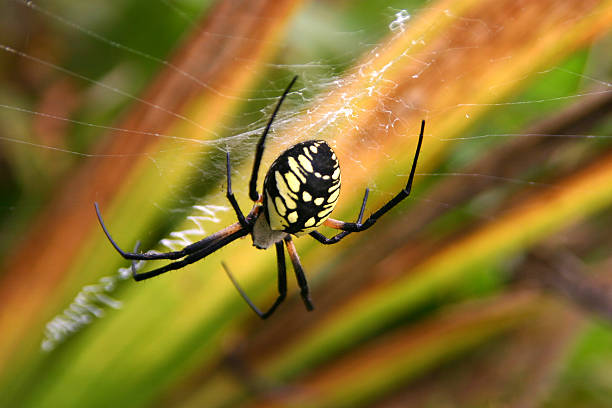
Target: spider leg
230, 193
253, 194
358, 226
299, 273
336, 238
189, 249
282, 284
194, 257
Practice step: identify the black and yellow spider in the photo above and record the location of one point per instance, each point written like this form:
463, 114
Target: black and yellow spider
299, 193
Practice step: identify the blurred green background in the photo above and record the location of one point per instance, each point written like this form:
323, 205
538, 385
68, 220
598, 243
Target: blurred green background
489, 286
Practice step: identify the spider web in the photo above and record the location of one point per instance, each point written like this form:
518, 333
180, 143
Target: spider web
325, 50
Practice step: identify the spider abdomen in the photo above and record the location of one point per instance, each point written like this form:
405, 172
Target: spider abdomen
302, 187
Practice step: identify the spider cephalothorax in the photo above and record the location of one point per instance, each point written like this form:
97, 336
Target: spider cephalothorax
300, 191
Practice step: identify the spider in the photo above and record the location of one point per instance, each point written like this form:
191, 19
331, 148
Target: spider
300, 191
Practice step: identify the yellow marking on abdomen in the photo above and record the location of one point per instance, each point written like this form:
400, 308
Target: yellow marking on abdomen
336, 174
293, 165
280, 207
325, 213
305, 163
292, 217
334, 196
284, 191
292, 181
290, 203
277, 222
